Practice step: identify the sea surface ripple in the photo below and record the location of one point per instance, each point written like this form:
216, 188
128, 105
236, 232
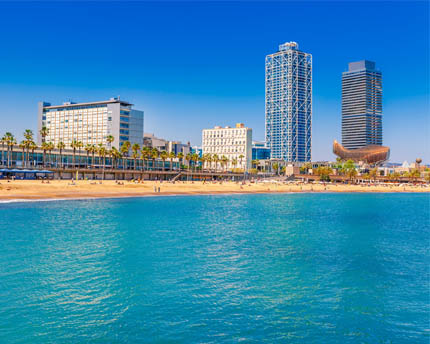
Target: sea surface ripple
291, 268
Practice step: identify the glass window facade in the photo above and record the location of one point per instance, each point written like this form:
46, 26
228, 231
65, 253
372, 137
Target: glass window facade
289, 104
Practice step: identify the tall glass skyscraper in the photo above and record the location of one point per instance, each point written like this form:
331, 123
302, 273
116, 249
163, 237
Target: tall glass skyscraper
289, 103
361, 105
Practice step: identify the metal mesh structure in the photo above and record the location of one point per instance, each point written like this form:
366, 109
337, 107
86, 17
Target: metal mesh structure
289, 103
371, 154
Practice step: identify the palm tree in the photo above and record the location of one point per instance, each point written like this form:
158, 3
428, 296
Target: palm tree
116, 155
188, 157
44, 132
74, 145
28, 135
10, 141
23, 145
224, 162
203, 160
373, 173
135, 149
3, 142
109, 140
234, 163
154, 155
209, 159
102, 154
215, 159
171, 156
79, 145
93, 152
33, 146
50, 148
146, 154
348, 168
306, 167
195, 158
240, 161
164, 155
180, 157
125, 147
275, 167
88, 148
60, 147
45, 147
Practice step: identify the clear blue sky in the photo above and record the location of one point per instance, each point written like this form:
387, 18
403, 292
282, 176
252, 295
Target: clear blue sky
198, 64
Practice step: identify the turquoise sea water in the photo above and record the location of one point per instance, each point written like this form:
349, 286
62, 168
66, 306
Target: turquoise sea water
292, 268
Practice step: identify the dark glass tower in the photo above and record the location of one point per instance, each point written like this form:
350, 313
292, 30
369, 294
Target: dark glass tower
361, 105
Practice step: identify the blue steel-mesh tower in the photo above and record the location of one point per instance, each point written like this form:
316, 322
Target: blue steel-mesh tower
361, 105
289, 103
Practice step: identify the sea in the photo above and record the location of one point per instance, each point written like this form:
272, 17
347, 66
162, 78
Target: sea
262, 268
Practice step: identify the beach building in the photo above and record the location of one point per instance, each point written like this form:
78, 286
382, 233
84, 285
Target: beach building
178, 147
361, 105
151, 141
91, 123
197, 150
260, 151
235, 143
289, 103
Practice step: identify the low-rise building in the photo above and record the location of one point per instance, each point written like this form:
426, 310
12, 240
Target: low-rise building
234, 143
260, 151
151, 141
197, 150
178, 147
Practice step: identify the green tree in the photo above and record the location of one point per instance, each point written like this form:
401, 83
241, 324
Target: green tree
60, 147
88, 148
195, 159
125, 148
51, 146
146, 155
275, 167
10, 142
240, 161
171, 156
154, 155
74, 146
22, 145
224, 162
164, 155
102, 154
28, 136
43, 133
135, 149
109, 140
324, 172
45, 147
180, 158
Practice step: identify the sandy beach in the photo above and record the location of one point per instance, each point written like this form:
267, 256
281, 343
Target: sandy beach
61, 189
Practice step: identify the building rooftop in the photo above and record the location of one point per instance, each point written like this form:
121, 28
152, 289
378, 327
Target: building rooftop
72, 104
289, 46
361, 65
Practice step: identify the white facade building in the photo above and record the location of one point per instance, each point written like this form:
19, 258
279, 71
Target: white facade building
91, 123
233, 143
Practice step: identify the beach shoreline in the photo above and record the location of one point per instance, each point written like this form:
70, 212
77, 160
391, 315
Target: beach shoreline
28, 190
